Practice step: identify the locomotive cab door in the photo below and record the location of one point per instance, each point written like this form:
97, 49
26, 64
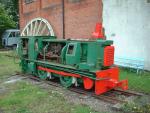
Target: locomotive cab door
73, 53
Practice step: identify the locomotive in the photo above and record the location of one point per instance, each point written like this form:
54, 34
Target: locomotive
80, 63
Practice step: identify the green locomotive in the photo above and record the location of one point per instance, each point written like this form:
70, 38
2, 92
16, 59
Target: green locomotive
75, 62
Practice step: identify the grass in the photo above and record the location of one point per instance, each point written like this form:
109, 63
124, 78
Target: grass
23, 97
136, 108
139, 105
28, 98
7, 65
137, 82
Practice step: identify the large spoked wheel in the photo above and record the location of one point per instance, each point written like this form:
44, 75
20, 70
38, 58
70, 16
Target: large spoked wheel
38, 27
42, 74
66, 81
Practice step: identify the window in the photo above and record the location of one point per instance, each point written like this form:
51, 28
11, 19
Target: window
74, 1
12, 34
29, 1
148, 1
70, 49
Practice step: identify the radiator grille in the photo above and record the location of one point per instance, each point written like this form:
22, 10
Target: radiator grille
108, 56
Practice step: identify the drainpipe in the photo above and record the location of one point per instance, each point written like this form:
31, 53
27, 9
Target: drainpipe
63, 18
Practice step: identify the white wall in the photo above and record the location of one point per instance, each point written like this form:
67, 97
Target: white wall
127, 22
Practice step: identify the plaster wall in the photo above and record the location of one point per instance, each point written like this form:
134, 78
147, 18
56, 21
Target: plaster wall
127, 22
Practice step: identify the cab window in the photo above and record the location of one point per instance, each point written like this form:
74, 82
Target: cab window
70, 49
12, 34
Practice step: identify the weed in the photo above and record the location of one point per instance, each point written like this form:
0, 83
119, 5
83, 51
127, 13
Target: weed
137, 82
140, 105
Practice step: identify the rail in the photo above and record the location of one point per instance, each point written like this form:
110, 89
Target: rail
112, 96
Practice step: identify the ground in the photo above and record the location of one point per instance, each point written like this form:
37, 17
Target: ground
24, 96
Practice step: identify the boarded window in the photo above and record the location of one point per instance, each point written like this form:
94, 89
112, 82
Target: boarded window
74, 1
29, 1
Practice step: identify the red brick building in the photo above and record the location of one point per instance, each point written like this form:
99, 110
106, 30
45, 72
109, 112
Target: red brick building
80, 16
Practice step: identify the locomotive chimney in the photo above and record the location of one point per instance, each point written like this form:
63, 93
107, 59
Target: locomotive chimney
99, 31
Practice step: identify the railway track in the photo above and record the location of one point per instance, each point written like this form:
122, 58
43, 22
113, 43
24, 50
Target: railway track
4, 49
112, 96
11, 56
127, 93
109, 96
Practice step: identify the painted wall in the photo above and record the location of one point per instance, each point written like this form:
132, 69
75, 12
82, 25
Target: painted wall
127, 22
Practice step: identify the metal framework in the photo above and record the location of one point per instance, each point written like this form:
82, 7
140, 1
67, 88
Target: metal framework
38, 27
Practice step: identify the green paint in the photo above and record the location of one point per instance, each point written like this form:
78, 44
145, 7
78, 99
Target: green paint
42, 74
63, 54
73, 53
76, 57
66, 81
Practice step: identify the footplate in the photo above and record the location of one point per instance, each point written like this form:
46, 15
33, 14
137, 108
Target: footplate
109, 80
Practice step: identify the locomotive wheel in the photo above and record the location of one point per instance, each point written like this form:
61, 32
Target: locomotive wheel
42, 74
66, 81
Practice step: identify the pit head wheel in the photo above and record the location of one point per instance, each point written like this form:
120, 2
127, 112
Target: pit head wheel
38, 27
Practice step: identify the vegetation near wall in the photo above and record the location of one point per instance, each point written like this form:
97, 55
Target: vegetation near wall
8, 15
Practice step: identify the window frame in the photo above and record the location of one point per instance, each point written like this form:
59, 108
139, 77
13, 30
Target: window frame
28, 1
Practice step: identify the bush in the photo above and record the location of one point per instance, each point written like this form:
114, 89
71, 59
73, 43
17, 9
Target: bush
6, 21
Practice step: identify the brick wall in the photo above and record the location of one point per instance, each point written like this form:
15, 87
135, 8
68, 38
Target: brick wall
80, 16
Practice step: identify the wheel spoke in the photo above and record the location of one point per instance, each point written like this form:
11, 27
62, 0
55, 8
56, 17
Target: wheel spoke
31, 29
23, 34
43, 29
66, 81
27, 31
37, 27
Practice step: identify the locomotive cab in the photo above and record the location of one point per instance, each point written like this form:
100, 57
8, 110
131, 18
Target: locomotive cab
89, 63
